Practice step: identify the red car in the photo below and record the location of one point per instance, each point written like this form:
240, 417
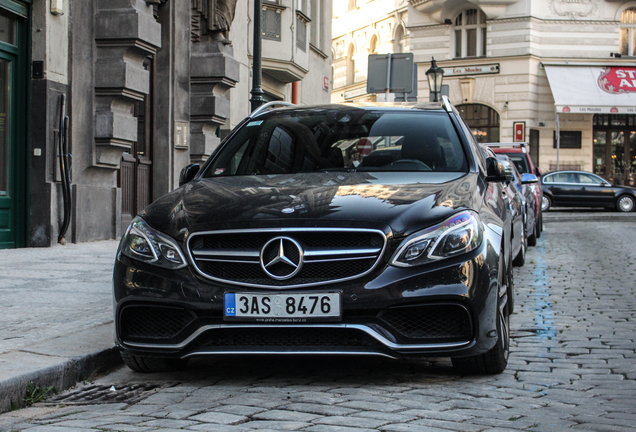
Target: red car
519, 154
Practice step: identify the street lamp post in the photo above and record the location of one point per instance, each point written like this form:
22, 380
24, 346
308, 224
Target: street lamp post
257, 67
435, 76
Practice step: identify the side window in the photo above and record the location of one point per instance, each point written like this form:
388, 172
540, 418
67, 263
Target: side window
589, 179
564, 178
548, 179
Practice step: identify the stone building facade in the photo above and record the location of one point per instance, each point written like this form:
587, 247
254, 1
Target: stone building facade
524, 66
360, 28
150, 86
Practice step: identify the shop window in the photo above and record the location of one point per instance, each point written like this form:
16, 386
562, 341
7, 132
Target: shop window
483, 121
628, 35
569, 139
469, 30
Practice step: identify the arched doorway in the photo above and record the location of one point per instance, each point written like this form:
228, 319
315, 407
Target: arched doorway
483, 120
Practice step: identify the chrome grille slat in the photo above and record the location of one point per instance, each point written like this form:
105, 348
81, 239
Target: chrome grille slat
330, 255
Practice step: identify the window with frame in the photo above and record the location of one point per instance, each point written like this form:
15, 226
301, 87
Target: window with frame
469, 30
271, 23
627, 34
352, 5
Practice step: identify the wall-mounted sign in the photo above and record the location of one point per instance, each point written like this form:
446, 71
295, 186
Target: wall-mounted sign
355, 93
471, 70
617, 80
325, 83
519, 129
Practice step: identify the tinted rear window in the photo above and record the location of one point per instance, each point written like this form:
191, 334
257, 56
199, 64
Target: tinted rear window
342, 139
520, 162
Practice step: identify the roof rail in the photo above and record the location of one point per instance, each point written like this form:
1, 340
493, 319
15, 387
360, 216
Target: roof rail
270, 105
447, 104
523, 145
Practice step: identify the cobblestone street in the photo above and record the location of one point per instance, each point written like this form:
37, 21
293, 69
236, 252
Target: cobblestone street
572, 367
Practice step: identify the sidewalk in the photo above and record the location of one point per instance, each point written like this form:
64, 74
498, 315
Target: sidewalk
56, 319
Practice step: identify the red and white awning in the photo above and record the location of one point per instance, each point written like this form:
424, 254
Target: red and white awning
593, 89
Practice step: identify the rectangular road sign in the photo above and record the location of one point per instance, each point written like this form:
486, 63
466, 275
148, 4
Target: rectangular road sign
390, 71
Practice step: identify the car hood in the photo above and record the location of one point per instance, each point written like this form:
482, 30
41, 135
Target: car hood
405, 202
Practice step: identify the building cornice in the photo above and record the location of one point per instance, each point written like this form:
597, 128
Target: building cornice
522, 19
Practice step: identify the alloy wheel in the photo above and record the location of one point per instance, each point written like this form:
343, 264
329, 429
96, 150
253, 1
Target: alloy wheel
545, 203
626, 203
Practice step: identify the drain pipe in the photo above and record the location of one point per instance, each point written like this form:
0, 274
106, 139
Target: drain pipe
65, 168
295, 92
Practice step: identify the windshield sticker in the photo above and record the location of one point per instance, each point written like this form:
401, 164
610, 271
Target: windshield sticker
255, 123
219, 171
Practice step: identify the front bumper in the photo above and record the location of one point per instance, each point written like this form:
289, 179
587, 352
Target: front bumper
444, 309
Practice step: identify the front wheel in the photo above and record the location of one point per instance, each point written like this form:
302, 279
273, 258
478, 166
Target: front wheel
536, 233
546, 203
625, 203
495, 360
520, 259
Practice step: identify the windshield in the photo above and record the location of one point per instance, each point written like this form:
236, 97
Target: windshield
341, 139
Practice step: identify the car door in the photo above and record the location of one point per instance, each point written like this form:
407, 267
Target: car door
564, 188
595, 190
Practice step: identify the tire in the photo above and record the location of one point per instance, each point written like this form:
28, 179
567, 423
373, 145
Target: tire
625, 203
536, 233
510, 283
520, 259
495, 360
546, 203
146, 364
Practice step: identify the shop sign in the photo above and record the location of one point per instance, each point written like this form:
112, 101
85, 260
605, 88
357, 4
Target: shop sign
325, 83
616, 80
355, 92
472, 70
519, 131
598, 109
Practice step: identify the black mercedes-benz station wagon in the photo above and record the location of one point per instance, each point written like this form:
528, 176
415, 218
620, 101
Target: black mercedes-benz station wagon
337, 230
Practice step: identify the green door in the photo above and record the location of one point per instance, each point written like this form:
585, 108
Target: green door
12, 136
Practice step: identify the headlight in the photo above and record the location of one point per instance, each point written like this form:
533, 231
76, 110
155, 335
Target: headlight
458, 234
143, 243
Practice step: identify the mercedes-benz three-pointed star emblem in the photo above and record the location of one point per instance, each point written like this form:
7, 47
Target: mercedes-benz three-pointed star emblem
282, 258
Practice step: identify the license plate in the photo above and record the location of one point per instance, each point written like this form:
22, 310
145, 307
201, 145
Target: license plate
281, 307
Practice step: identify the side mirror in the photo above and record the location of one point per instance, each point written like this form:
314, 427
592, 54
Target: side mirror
528, 178
498, 170
606, 184
188, 173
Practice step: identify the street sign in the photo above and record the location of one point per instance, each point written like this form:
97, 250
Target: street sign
364, 146
392, 72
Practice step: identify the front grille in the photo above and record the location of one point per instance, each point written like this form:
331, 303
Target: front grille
304, 337
153, 322
430, 321
328, 255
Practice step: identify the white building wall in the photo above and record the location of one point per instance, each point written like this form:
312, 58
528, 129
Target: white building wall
284, 56
520, 36
371, 22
